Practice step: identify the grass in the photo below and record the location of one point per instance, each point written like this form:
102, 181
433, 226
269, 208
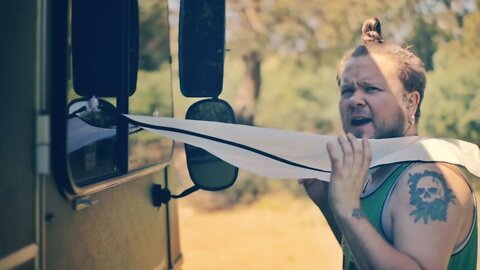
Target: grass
277, 232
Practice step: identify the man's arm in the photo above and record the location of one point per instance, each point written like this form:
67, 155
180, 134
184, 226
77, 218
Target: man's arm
432, 212
416, 244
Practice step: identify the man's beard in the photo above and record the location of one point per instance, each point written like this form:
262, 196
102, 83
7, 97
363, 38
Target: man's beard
396, 130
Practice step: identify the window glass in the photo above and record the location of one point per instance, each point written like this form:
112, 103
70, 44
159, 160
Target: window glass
153, 96
91, 150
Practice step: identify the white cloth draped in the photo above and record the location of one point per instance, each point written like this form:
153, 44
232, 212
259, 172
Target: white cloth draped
285, 154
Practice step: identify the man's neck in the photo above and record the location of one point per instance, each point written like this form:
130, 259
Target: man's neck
379, 176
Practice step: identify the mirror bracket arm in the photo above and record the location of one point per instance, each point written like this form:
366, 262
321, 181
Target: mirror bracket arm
162, 195
186, 192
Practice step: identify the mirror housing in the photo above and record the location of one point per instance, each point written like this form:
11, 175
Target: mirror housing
207, 171
104, 48
201, 47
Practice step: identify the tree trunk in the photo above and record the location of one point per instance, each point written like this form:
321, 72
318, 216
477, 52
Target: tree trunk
249, 89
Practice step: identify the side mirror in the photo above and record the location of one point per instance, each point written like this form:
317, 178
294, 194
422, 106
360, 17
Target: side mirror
206, 170
201, 47
104, 48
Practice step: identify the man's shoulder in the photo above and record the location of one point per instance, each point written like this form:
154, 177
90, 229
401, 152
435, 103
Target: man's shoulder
431, 186
432, 206
443, 175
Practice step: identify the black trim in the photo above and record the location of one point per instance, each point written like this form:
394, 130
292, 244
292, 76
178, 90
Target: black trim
57, 76
245, 147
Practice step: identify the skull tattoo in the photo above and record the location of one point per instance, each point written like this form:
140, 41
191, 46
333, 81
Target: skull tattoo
430, 189
430, 195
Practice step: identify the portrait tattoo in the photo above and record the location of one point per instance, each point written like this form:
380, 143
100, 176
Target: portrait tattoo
358, 213
430, 195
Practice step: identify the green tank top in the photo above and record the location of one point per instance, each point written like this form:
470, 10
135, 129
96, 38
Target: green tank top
465, 258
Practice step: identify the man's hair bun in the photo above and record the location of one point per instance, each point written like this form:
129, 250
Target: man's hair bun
371, 31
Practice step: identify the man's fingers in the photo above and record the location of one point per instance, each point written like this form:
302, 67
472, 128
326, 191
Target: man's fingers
357, 149
347, 151
334, 157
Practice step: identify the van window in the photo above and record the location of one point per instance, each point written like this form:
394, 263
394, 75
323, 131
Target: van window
153, 95
142, 85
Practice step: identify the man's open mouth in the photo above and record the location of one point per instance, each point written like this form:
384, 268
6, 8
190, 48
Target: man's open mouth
360, 121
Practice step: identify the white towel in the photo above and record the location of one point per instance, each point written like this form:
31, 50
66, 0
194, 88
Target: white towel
281, 154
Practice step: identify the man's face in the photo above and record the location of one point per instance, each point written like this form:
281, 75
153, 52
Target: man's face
372, 98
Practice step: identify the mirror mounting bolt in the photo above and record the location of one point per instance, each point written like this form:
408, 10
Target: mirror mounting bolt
160, 195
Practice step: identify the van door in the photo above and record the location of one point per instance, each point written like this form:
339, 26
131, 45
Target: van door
99, 210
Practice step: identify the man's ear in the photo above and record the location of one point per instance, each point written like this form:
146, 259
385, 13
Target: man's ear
413, 100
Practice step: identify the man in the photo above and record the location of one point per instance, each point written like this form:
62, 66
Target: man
397, 216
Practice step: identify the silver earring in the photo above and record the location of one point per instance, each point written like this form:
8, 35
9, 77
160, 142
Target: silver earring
411, 119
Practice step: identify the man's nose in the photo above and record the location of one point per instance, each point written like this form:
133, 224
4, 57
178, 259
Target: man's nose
357, 98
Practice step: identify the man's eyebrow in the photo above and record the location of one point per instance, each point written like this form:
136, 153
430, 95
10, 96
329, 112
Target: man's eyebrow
366, 83
345, 84
370, 83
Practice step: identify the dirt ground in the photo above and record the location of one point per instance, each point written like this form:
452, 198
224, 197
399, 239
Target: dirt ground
277, 232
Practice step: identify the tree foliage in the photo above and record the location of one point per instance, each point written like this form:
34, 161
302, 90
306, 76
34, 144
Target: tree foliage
154, 35
452, 101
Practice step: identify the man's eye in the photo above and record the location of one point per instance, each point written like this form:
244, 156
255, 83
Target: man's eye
372, 89
346, 92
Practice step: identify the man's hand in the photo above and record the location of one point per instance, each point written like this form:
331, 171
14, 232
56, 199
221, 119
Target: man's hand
349, 171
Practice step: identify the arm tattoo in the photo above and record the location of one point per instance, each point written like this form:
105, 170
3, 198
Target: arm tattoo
358, 213
430, 195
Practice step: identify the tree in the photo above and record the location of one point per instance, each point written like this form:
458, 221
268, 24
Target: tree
452, 102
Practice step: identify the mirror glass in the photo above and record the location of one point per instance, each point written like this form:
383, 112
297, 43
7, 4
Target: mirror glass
95, 112
91, 139
201, 47
206, 170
